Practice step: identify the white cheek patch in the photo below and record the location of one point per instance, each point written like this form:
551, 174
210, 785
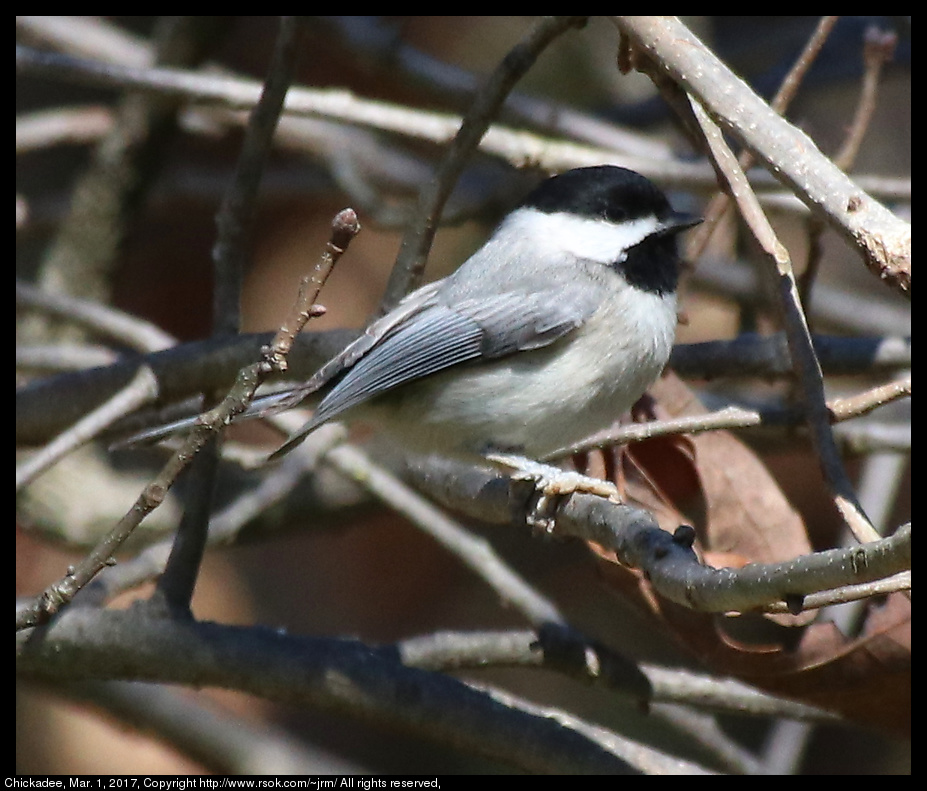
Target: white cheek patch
592, 239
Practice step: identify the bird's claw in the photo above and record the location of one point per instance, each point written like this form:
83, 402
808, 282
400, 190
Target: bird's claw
551, 484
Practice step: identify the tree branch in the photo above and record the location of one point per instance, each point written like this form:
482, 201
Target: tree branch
883, 239
335, 675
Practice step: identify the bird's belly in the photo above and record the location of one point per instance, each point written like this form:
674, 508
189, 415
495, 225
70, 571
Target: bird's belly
533, 402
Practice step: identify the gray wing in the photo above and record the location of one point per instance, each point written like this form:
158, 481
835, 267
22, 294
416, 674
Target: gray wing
421, 337
432, 336
440, 336
344, 360
436, 336
273, 403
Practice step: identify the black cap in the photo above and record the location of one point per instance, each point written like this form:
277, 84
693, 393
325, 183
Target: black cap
604, 191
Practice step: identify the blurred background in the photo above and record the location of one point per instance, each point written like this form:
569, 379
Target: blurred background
374, 576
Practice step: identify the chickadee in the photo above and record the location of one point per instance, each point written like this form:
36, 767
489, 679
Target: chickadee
544, 336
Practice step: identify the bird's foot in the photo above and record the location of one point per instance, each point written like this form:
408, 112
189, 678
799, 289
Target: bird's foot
551, 484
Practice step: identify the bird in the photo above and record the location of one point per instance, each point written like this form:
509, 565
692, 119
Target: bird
546, 335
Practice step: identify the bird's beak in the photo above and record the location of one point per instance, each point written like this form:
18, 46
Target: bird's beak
679, 221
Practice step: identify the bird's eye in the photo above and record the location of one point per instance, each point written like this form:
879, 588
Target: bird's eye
615, 214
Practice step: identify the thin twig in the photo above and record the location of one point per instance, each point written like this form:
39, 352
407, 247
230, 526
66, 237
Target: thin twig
235, 218
876, 54
373, 41
719, 204
60, 593
640, 757
452, 651
410, 263
847, 593
344, 228
234, 225
83, 254
61, 125
515, 146
702, 730
878, 49
142, 390
240, 395
128, 330
838, 307
685, 687
803, 63
862, 403
883, 239
807, 368
735, 417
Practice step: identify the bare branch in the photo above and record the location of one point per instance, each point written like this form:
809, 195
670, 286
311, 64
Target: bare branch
518, 147
341, 675
410, 263
882, 238
142, 390
735, 417
807, 367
